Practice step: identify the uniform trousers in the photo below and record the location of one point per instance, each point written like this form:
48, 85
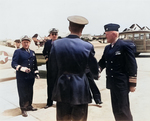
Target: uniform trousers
50, 86
25, 91
120, 105
69, 112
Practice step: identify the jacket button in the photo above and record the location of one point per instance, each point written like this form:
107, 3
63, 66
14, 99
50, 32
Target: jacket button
105, 61
111, 76
111, 61
111, 69
28, 64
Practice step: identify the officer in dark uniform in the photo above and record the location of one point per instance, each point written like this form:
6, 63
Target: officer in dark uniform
24, 61
121, 71
53, 35
68, 61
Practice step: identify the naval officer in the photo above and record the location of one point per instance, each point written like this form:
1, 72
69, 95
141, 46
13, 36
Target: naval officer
25, 64
121, 72
47, 47
17, 43
68, 61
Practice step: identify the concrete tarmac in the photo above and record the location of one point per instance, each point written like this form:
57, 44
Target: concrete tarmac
139, 100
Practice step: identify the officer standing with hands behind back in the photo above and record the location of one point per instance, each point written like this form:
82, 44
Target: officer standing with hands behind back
53, 34
25, 64
121, 71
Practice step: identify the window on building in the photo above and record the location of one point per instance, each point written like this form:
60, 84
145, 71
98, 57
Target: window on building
147, 36
122, 36
142, 36
129, 36
136, 36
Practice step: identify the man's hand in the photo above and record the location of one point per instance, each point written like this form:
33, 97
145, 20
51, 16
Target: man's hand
99, 75
37, 76
25, 69
46, 59
132, 89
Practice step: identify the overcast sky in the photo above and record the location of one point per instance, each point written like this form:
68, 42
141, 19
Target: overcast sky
27, 17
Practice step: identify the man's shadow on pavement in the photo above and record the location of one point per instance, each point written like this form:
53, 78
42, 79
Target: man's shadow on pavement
41, 105
99, 106
12, 112
17, 111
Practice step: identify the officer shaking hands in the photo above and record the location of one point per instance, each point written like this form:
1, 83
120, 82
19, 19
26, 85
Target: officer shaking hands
121, 71
25, 64
68, 61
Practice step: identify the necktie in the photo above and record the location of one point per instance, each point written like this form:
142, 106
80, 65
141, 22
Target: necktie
28, 50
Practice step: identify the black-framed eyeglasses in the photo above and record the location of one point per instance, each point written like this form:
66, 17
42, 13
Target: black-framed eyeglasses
54, 34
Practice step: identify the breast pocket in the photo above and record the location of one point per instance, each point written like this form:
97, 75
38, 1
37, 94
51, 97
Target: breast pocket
118, 53
118, 57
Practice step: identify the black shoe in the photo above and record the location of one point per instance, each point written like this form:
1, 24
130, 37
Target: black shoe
99, 102
32, 109
24, 113
47, 106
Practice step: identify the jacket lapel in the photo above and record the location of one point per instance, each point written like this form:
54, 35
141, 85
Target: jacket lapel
115, 48
110, 52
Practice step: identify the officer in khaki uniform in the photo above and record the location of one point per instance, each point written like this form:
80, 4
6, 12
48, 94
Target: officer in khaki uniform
121, 71
25, 64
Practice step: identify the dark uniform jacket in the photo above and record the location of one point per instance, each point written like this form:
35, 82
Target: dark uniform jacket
24, 59
120, 64
47, 48
68, 61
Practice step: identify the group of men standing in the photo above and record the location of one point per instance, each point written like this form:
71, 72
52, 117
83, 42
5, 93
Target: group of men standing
72, 68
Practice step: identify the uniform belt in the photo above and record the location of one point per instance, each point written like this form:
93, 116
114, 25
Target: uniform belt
79, 74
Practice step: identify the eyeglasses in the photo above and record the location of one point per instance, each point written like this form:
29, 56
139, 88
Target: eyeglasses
54, 34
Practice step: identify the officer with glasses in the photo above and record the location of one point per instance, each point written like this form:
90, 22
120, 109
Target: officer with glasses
53, 34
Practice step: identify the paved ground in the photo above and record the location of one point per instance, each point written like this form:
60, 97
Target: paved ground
139, 100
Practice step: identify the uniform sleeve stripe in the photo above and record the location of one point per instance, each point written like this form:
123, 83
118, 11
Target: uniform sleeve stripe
132, 80
132, 77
